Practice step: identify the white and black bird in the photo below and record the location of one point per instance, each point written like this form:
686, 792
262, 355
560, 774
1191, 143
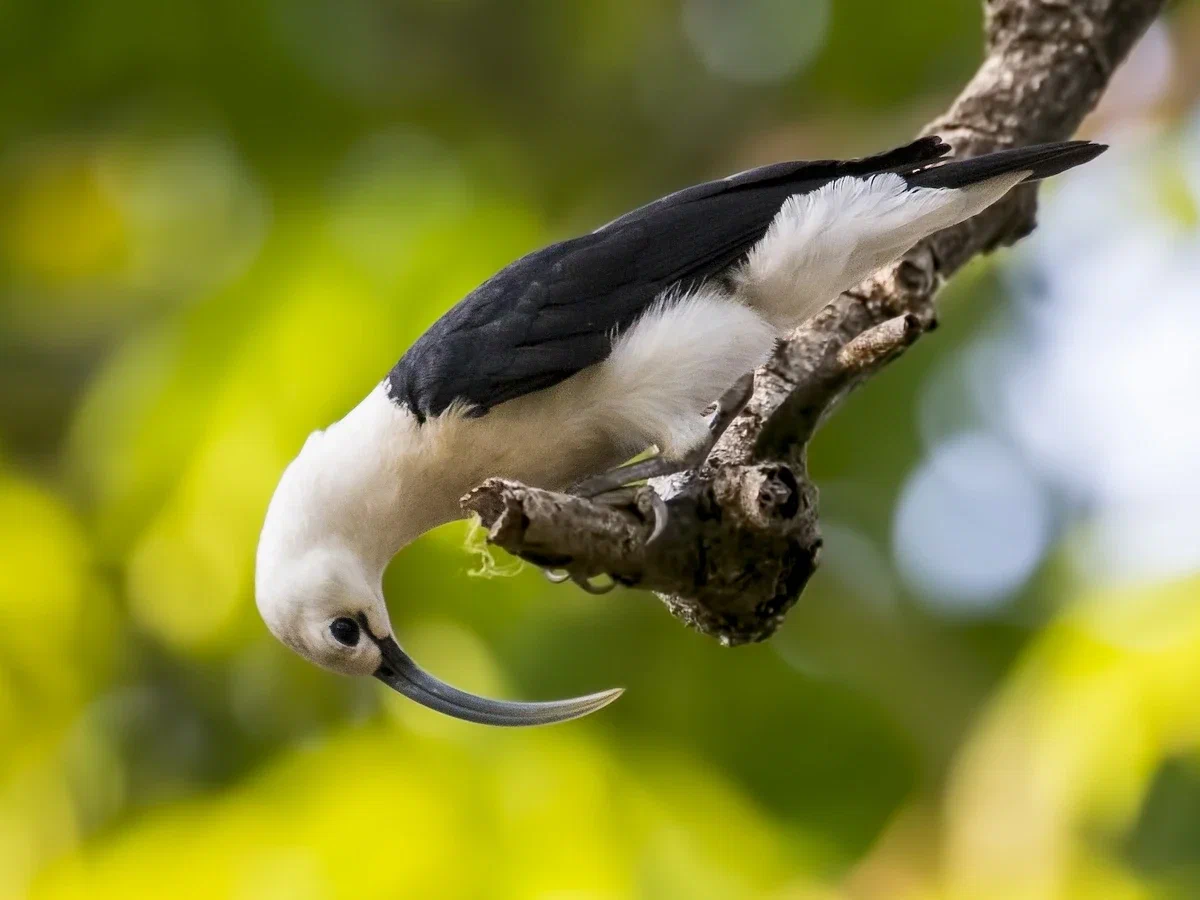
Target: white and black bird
579, 356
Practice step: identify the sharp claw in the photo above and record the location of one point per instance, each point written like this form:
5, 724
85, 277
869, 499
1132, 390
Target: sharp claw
558, 577
658, 507
586, 585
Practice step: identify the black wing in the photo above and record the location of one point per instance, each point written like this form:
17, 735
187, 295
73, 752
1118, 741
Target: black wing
555, 311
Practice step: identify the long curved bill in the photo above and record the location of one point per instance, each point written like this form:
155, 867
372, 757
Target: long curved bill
399, 672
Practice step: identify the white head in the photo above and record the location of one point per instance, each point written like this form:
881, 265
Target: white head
319, 603
319, 573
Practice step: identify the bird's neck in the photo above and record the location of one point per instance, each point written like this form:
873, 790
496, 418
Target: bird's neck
385, 491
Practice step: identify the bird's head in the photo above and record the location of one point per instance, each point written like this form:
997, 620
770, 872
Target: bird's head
320, 592
322, 605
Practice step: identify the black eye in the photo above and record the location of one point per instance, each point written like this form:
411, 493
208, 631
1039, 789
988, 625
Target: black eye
344, 631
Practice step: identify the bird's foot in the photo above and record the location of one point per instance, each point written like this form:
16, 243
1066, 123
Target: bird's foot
618, 487
613, 486
555, 576
623, 496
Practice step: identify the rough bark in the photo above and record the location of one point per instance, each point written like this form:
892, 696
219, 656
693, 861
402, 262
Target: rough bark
743, 535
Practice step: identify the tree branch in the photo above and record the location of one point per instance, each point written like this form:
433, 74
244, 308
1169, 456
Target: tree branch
743, 536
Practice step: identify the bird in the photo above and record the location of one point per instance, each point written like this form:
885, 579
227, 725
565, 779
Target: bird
578, 357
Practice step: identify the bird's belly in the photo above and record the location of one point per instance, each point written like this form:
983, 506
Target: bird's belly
541, 452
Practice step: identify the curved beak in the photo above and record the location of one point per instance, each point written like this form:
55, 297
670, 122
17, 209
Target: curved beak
399, 672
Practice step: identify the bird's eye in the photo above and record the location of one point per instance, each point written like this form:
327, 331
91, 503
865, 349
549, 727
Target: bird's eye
344, 631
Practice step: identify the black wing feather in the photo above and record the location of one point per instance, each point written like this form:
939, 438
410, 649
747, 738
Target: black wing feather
554, 312
1042, 161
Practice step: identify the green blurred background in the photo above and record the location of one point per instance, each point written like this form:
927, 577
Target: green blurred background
221, 221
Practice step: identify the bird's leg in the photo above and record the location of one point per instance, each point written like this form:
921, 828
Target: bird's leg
731, 403
612, 486
729, 407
